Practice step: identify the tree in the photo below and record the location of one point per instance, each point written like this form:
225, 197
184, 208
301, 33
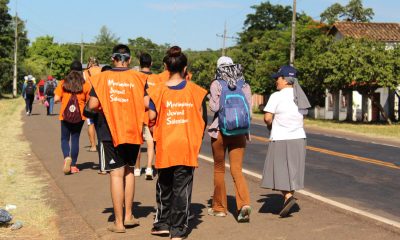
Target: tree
362, 65
7, 29
142, 45
354, 11
102, 47
48, 58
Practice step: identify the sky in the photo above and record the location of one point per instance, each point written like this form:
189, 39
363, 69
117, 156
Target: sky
190, 24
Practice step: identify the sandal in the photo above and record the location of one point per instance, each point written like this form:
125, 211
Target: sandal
287, 206
114, 229
211, 212
93, 149
132, 222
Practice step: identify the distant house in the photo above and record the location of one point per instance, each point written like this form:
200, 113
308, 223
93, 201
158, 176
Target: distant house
355, 106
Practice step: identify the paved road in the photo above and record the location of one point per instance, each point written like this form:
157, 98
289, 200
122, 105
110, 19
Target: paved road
89, 194
371, 187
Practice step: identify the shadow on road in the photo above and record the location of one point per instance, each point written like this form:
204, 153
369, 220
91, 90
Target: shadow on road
272, 203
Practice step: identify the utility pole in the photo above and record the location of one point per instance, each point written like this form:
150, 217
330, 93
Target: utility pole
224, 37
293, 40
15, 55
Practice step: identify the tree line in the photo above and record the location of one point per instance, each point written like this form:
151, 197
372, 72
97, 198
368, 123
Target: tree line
263, 46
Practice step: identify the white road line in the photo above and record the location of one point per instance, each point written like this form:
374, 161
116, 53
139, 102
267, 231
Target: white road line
320, 198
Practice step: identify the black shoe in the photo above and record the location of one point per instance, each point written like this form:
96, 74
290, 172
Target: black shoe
160, 232
287, 206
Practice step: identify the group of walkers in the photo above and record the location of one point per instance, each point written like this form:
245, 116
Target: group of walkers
43, 90
167, 110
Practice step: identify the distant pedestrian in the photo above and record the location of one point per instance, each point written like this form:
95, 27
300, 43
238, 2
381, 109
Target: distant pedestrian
145, 61
284, 164
92, 69
119, 93
176, 108
28, 93
73, 92
229, 77
49, 88
40, 90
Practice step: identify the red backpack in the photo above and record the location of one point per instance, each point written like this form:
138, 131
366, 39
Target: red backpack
72, 113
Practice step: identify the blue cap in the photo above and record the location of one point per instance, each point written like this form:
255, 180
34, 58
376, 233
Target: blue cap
285, 71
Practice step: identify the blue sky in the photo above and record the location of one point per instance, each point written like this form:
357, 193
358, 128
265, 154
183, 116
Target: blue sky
187, 23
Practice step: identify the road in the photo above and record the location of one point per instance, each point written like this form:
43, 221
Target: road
359, 174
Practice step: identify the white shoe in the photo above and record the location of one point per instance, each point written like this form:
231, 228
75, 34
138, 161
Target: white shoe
27, 113
149, 174
137, 172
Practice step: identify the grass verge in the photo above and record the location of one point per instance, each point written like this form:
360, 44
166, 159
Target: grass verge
18, 185
368, 129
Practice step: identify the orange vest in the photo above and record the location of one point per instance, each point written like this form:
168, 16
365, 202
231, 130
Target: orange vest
82, 97
90, 72
121, 96
179, 126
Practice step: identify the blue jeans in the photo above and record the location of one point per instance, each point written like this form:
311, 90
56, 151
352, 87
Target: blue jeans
51, 105
70, 131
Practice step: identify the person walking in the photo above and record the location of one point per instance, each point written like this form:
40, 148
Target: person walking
92, 69
28, 93
145, 61
73, 92
119, 93
229, 76
285, 160
102, 133
176, 108
40, 90
49, 89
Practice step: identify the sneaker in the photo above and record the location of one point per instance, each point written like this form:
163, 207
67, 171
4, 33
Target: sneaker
27, 113
211, 212
149, 174
287, 206
67, 165
137, 172
74, 169
244, 214
159, 232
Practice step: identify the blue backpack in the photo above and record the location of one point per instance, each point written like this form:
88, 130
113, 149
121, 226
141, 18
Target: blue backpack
234, 112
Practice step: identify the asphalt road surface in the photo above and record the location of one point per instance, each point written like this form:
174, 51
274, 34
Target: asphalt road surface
359, 174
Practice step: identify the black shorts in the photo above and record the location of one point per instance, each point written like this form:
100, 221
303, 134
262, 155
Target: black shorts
120, 156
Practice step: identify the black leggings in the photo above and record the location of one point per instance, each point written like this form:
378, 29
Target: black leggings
29, 102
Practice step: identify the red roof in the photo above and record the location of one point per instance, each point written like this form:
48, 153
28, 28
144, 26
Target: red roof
385, 32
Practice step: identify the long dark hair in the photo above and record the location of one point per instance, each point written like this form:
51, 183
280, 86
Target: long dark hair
74, 81
176, 61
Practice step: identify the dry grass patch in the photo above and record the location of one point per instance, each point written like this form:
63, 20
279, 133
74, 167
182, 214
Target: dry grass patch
18, 185
368, 129
381, 130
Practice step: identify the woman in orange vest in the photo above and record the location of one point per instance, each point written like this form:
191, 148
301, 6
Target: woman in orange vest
176, 107
91, 70
73, 92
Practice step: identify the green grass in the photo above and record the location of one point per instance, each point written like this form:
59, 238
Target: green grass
368, 129
18, 186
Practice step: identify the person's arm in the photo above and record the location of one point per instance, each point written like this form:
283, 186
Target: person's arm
57, 98
215, 93
23, 90
94, 102
146, 97
268, 118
